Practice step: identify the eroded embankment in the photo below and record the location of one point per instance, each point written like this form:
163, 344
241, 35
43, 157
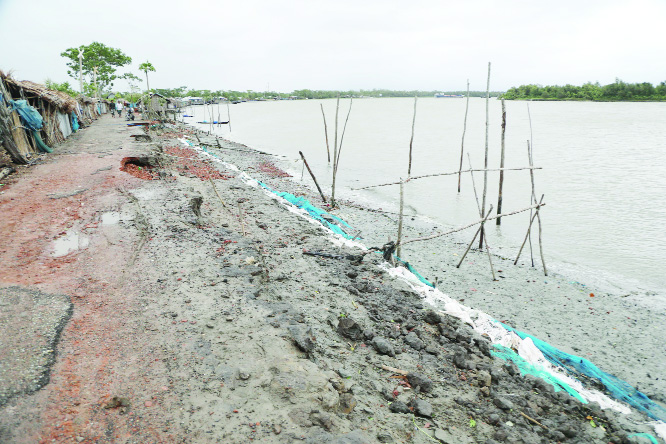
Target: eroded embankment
198, 317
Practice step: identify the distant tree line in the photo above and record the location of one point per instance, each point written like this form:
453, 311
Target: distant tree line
306, 93
618, 91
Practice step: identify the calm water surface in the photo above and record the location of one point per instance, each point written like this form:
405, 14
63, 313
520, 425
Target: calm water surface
603, 176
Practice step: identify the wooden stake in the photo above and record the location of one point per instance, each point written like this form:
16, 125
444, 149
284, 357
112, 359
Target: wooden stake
228, 116
335, 150
485, 163
476, 196
411, 141
462, 143
455, 230
538, 216
305, 162
478, 231
328, 149
400, 218
529, 227
501, 177
447, 174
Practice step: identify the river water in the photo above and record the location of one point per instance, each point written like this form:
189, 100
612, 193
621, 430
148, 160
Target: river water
603, 171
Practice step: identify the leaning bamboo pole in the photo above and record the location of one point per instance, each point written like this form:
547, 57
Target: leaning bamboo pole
400, 218
478, 206
411, 141
462, 143
527, 234
305, 163
485, 163
336, 154
478, 231
538, 216
328, 149
335, 149
501, 175
464, 227
228, 116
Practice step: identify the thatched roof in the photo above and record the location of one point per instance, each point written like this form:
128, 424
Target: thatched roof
61, 100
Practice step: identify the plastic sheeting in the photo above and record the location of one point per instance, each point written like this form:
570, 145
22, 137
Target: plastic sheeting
75, 122
63, 124
29, 115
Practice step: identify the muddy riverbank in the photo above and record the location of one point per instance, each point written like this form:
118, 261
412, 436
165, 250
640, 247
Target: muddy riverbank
204, 313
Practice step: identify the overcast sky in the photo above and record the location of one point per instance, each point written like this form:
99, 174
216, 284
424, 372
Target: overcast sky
345, 44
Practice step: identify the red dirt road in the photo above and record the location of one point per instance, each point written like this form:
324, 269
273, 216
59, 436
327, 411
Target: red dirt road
104, 351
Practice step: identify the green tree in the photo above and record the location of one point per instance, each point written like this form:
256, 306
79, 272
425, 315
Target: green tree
145, 67
62, 87
107, 60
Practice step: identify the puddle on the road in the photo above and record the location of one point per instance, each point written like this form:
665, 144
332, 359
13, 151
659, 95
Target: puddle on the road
71, 241
110, 218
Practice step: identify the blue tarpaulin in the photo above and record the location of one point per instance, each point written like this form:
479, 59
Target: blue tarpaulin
29, 115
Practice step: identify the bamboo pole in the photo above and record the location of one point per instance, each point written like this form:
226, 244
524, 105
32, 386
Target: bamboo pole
501, 177
485, 163
335, 149
478, 206
447, 174
529, 143
342, 136
328, 149
411, 141
462, 143
529, 227
228, 116
400, 218
305, 162
538, 216
336, 156
478, 231
455, 230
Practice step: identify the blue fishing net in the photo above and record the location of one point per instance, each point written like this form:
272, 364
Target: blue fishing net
506, 354
576, 365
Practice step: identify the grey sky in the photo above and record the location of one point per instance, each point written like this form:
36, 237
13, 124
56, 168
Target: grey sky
344, 44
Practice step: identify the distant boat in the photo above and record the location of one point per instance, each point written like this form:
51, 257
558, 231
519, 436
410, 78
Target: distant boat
449, 96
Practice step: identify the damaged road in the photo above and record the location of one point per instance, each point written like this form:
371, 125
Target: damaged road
201, 313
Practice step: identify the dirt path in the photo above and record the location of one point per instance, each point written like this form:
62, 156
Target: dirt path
181, 313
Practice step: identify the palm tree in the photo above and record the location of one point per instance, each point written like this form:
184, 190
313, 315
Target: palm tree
145, 67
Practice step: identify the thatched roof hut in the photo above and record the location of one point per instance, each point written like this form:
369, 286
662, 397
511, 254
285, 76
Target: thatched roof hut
32, 90
56, 109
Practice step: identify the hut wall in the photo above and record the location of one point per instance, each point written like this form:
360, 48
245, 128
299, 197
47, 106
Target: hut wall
64, 124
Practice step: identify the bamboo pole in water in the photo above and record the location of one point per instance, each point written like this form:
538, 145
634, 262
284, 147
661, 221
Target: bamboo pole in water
305, 162
478, 206
529, 144
328, 149
336, 156
538, 216
400, 218
411, 141
485, 163
228, 116
462, 143
335, 149
501, 177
